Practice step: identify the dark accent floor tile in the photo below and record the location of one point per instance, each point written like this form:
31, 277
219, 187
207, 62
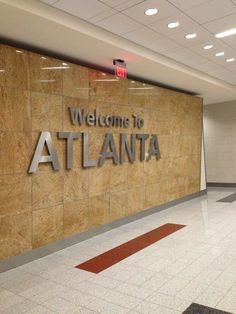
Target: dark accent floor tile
111, 257
195, 308
228, 199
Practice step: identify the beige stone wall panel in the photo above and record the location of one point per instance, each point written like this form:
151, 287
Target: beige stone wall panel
14, 110
47, 189
43, 78
38, 209
118, 205
15, 234
46, 112
75, 81
99, 210
15, 62
76, 217
47, 225
15, 194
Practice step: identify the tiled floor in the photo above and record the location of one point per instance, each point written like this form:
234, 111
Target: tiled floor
111, 257
195, 308
228, 199
196, 264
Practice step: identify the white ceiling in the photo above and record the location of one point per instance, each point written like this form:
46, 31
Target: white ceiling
97, 31
204, 17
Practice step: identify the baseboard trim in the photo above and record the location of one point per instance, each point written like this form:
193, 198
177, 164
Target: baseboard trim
221, 184
35, 254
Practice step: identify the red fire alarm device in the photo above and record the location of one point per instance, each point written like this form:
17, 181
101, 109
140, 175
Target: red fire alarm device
120, 68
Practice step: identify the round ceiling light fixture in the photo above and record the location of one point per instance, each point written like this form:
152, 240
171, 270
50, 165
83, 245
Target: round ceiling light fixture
219, 54
173, 24
208, 47
230, 60
151, 11
191, 36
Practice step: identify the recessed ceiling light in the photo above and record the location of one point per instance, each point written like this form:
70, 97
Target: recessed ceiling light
46, 81
83, 88
230, 60
19, 51
55, 68
173, 24
208, 47
151, 11
106, 80
132, 82
103, 74
1, 70
140, 88
229, 32
43, 58
219, 54
191, 35
63, 63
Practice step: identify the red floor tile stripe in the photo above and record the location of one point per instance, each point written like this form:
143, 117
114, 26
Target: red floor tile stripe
113, 256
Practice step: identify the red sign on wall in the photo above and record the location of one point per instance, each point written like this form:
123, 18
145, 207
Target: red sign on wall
120, 68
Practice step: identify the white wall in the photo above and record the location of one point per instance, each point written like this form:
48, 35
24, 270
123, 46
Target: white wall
203, 168
220, 142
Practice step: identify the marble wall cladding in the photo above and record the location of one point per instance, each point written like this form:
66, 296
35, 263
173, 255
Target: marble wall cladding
47, 225
76, 217
15, 234
35, 93
118, 204
15, 194
99, 210
46, 74
14, 109
76, 185
14, 64
46, 112
47, 189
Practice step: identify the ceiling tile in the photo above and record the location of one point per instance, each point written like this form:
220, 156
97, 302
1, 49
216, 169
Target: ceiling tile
231, 41
50, 2
221, 24
187, 4
186, 56
121, 4
205, 66
202, 36
234, 1
102, 16
211, 10
137, 12
216, 69
127, 4
231, 66
150, 39
199, 47
223, 74
222, 60
81, 8
113, 3
162, 28
218, 46
119, 24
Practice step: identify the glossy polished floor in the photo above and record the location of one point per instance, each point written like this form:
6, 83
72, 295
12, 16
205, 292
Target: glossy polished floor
195, 264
